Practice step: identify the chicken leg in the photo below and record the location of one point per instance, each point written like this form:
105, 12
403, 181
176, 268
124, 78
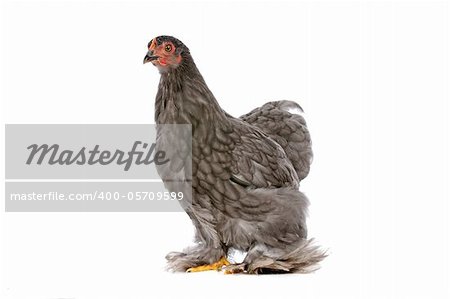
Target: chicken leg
214, 266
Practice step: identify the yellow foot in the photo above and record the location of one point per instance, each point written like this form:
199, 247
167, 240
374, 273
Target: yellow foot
215, 266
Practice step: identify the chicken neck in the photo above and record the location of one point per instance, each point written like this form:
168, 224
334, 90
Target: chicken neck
184, 98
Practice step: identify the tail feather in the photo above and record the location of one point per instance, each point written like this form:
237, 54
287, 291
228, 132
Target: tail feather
288, 106
283, 122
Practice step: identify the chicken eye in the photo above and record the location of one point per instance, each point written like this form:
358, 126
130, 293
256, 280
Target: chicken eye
168, 48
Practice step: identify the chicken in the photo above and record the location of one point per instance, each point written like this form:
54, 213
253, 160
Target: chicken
244, 173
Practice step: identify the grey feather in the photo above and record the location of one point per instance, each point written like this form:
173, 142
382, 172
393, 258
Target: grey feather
287, 129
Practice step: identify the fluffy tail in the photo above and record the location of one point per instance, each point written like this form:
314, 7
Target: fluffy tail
283, 122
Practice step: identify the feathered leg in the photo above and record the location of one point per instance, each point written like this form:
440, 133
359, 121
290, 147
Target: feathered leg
302, 257
207, 254
280, 242
196, 256
261, 259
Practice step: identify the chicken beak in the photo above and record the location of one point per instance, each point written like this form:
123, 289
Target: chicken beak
150, 57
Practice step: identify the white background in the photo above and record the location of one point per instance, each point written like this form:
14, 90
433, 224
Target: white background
372, 77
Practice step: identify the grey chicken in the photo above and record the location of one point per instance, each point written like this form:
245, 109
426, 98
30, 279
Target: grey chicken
245, 173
